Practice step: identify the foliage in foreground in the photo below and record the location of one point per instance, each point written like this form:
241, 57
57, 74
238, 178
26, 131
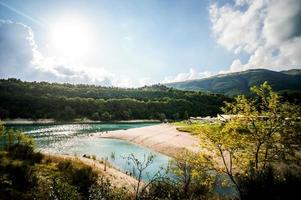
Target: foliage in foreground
261, 135
27, 174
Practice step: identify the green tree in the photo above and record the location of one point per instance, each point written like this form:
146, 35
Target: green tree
67, 114
161, 116
95, 116
106, 116
185, 115
10, 137
192, 177
53, 100
258, 133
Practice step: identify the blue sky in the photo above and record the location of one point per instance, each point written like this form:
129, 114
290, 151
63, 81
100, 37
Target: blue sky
130, 43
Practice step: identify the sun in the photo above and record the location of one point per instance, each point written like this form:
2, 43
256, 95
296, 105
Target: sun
71, 37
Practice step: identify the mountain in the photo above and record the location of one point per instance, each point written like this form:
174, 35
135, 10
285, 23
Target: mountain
240, 82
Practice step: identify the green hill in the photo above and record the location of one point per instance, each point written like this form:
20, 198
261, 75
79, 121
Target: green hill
65, 102
239, 83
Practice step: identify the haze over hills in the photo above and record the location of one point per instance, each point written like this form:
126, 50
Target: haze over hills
239, 82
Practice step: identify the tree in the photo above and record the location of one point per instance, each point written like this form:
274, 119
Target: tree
185, 115
67, 114
106, 116
95, 116
48, 100
161, 116
176, 116
10, 137
258, 133
139, 167
3, 113
192, 175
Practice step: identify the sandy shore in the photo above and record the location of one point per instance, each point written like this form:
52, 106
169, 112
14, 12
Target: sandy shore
28, 121
76, 121
163, 138
117, 178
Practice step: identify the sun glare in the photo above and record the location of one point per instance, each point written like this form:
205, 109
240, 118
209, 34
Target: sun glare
71, 37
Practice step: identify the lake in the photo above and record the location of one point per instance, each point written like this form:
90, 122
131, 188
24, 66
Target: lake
80, 139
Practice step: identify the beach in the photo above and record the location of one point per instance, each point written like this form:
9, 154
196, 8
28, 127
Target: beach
163, 138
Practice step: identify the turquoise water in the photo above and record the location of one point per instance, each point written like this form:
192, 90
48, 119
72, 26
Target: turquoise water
80, 139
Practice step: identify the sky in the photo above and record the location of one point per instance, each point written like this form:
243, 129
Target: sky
132, 43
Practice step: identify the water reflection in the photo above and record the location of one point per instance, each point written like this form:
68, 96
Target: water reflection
80, 139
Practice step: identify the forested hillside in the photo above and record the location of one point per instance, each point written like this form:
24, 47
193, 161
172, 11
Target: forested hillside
19, 99
287, 83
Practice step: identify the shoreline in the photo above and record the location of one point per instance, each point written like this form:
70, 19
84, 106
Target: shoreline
117, 177
163, 138
53, 122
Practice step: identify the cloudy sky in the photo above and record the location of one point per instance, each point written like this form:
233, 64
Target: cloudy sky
130, 43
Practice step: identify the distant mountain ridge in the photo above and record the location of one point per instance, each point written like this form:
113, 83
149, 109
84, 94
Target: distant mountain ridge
240, 82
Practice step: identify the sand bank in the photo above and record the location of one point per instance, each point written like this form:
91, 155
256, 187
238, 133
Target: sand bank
163, 138
20, 121
117, 178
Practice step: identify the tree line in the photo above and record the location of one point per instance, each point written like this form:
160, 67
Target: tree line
20, 99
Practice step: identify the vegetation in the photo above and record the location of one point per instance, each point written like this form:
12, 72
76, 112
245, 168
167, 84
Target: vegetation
288, 83
26, 174
65, 102
258, 146
256, 151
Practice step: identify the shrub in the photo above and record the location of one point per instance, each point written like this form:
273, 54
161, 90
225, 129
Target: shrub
163, 190
24, 152
62, 190
81, 177
104, 190
84, 178
64, 165
269, 184
21, 175
20, 151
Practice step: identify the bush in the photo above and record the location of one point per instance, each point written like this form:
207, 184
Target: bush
84, 178
21, 175
20, 151
64, 165
37, 157
104, 190
163, 190
81, 177
269, 184
62, 190
24, 152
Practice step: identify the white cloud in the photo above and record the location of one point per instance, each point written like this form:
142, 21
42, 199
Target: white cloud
20, 58
16, 49
191, 75
146, 81
268, 30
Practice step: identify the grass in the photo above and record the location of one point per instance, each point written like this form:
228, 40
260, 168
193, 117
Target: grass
27, 179
194, 127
